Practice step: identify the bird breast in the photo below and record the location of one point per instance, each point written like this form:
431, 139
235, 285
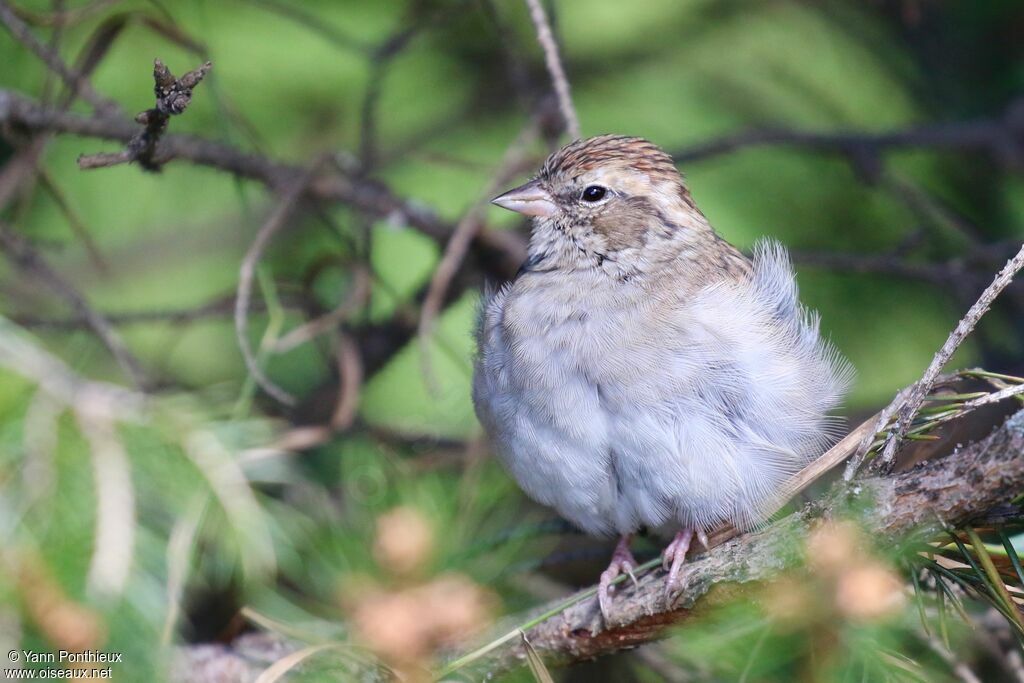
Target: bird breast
623, 405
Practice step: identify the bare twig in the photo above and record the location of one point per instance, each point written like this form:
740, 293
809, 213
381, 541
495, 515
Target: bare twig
471, 223
1003, 138
274, 222
928, 207
314, 23
329, 321
74, 220
63, 17
75, 82
365, 195
996, 397
173, 95
381, 58
554, 64
882, 264
23, 255
350, 372
219, 308
905, 408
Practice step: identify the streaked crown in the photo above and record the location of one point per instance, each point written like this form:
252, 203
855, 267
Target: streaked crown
604, 150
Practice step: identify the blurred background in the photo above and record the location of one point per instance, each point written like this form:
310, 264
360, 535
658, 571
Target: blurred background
349, 492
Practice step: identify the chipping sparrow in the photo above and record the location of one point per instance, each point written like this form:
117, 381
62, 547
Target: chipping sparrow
640, 372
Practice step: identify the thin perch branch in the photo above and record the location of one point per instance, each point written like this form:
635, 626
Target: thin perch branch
554, 64
472, 222
907, 407
274, 222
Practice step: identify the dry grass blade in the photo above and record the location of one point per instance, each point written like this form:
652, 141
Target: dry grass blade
278, 669
113, 547
536, 664
179, 551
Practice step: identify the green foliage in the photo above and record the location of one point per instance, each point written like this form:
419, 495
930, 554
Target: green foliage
219, 520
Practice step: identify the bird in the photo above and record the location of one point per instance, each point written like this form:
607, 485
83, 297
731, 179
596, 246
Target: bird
640, 372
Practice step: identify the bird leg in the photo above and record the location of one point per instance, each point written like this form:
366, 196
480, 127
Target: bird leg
674, 556
622, 563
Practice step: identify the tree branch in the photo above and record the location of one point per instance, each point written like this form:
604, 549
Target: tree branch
905, 407
366, 195
25, 257
555, 68
75, 81
173, 95
1003, 138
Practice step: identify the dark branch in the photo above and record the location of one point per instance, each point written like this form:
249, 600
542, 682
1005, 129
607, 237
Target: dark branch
1003, 138
76, 82
18, 250
223, 307
504, 249
173, 95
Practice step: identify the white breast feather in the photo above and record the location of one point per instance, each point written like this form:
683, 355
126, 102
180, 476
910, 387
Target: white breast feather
627, 413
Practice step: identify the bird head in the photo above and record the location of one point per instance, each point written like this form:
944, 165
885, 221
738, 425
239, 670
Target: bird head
608, 202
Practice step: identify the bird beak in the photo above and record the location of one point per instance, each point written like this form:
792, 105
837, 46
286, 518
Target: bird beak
530, 200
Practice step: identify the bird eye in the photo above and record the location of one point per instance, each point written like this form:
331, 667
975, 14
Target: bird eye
593, 193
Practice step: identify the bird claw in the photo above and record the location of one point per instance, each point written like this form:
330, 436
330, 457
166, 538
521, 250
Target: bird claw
622, 563
628, 568
674, 557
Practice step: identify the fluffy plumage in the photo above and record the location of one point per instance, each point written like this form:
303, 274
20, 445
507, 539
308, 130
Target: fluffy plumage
640, 371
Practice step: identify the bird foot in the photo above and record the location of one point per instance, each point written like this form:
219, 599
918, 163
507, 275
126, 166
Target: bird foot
673, 558
622, 563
